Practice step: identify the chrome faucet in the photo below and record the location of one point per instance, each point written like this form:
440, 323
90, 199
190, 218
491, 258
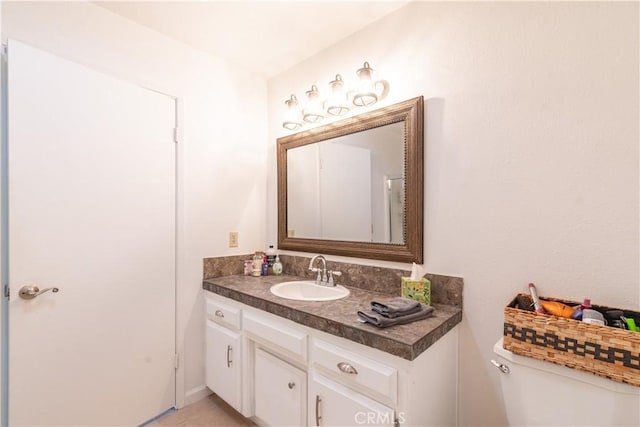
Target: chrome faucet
324, 277
322, 274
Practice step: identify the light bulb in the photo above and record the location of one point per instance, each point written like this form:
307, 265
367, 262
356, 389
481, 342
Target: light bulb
313, 112
365, 94
292, 117
337, 103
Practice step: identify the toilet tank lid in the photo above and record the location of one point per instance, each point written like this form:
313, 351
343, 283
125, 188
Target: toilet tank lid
529, 362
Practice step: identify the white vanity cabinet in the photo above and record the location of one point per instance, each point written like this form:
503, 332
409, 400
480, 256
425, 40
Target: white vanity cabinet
223, 367
277, 354
294, 375
280, 391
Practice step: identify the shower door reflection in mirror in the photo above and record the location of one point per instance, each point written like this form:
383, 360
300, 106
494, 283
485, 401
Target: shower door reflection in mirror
394, 207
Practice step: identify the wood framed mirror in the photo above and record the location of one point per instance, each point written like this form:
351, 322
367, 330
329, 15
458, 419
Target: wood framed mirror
355, 187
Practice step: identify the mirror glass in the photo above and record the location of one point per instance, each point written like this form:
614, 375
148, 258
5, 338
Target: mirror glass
355, 187
348, 188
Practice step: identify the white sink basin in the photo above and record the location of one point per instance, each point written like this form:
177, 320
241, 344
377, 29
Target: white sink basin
307, 290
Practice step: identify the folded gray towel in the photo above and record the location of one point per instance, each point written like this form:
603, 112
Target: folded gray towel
381, 321
398, 306
395, 314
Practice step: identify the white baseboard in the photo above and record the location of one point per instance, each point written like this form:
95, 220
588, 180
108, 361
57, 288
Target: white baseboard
195, 394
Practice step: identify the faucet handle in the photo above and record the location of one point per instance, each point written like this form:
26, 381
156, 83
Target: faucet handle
319, 271
332, 273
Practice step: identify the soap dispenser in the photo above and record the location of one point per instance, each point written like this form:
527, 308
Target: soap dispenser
277, 266
271, 255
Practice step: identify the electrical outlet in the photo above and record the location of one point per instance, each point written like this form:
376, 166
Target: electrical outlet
233, 239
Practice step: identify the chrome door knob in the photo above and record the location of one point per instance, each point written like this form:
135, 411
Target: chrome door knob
30, 292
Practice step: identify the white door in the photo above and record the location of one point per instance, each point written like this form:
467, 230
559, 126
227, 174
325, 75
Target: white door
91, 212
345, 192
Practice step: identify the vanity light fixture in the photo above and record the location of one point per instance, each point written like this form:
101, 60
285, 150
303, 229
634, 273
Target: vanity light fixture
293, 116
342, 98
337, 104
365, 93
313, 112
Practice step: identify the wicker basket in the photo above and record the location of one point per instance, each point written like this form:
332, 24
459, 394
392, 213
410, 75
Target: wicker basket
609, 352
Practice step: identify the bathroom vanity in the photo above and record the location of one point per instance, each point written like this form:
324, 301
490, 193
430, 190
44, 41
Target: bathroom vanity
296, 363
289, 362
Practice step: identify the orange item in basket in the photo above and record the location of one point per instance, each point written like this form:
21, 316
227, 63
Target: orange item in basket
557, 308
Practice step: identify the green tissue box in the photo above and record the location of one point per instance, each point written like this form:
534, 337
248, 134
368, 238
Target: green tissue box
419, 290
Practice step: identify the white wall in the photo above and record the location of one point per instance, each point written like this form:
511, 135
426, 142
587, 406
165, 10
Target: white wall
221, 158
531, 154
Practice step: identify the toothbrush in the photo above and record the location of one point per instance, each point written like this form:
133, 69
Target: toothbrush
536, 302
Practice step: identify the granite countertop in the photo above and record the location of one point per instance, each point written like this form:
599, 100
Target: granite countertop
339, 317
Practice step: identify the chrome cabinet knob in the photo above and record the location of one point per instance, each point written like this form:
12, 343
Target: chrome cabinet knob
347, 368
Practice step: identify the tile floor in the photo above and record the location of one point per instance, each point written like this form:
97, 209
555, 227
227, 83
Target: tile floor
208, 412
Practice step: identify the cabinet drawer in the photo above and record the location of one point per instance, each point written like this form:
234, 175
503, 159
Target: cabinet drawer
333, 404
272, 332
354, 370
223, 314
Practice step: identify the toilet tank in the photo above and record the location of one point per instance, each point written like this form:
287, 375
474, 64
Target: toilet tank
538, 393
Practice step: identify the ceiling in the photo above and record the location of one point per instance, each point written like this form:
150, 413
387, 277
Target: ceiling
267, 37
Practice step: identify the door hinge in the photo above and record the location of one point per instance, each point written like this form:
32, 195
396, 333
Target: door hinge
7, 291
175, 135
176, 360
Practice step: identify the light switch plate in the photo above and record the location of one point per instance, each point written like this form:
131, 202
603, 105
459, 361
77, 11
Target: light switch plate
233, 239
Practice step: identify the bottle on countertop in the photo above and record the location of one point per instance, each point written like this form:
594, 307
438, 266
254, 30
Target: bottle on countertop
577, 315
257, 264
271, 255
265, 266
248, 267
277, 266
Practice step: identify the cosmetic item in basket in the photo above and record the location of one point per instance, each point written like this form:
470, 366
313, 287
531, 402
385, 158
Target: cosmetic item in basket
614, 319
557, 308
593, 317
577, 315
536, 302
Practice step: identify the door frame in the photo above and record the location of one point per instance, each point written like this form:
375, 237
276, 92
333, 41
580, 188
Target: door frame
4, 243
179, 330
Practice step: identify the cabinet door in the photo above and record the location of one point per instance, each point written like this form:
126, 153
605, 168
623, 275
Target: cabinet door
332, 404
224, 363
279, 391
